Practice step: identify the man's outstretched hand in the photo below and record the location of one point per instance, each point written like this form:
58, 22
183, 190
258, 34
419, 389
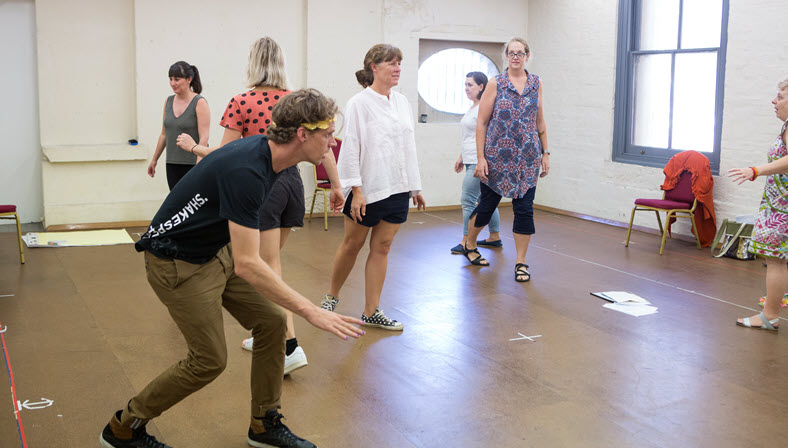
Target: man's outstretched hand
341, 325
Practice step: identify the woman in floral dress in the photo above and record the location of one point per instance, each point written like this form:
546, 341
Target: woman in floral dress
511, 148
770, 235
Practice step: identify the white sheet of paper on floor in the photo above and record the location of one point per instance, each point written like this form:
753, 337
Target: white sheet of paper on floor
632, 309
623, 297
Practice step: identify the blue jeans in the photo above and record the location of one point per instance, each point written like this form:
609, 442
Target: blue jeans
471, 190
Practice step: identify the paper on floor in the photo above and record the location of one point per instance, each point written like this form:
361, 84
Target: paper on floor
632, 310
78, 238
624, 297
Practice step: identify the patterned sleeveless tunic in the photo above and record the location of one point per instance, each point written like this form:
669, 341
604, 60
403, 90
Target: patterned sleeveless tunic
770, 235
512, 147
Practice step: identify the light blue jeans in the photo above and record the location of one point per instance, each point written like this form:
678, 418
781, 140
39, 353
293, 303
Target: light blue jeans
471, 190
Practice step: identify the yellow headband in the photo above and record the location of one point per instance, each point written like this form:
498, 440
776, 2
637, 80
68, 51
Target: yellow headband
319, 125
312, 126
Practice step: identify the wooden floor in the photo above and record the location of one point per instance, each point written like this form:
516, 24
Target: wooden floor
85, 330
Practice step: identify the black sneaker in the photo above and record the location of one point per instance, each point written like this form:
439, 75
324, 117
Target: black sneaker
276, 434
139, 438
329, 302
380, 320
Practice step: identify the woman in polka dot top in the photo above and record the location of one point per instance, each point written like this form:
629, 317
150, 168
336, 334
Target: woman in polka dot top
248, 114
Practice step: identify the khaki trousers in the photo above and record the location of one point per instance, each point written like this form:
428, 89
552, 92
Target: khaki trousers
194, 295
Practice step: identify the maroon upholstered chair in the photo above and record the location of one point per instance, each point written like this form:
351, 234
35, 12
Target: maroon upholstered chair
9, 212
676, 203
323, 184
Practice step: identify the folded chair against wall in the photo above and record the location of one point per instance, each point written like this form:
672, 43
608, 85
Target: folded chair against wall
9, 212
678, 202
322, 183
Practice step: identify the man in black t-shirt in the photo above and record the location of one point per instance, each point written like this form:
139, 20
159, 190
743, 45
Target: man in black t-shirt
202, 254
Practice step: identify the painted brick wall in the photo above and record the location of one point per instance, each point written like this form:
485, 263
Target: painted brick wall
574, 51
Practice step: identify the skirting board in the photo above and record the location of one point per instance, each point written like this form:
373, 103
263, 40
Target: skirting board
610, 222
97, 226
125, 224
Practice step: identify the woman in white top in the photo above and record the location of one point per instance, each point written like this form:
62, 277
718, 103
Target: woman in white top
378, 165
475, 82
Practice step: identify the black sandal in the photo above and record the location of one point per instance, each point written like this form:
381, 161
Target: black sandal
521, 270
478, 261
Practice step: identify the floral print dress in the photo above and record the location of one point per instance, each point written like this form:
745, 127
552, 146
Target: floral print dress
770, 235
512, 147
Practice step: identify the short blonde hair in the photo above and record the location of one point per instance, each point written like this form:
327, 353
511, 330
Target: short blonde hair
266, 65
301, 106
782, 84
377, 54
516, 39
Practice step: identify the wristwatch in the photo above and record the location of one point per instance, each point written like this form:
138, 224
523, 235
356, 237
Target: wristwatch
546, 152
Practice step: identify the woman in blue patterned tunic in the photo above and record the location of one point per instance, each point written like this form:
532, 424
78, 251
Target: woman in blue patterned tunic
770, 235
511, 147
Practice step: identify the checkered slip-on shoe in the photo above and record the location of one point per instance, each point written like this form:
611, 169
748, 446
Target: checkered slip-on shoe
329, 302
380, 320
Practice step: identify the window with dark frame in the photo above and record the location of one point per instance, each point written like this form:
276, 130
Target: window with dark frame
669, 80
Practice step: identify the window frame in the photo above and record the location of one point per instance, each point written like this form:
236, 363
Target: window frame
429, 45
423, 95
624, 151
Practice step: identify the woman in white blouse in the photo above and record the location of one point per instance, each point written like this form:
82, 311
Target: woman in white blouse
378, 165
475, 82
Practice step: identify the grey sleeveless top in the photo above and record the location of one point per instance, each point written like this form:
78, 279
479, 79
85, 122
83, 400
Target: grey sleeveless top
175, 126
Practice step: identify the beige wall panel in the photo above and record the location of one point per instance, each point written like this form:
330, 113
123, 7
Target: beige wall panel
86, 71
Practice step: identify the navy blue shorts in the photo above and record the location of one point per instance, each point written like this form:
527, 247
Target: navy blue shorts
393, 209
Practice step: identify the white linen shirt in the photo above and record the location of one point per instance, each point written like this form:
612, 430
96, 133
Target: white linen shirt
378, 151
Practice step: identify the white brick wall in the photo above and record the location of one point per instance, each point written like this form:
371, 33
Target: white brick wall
574, 51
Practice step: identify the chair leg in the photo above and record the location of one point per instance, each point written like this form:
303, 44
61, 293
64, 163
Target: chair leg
664, 235
629, 231
19, 237
659, 223
312, 208
668, 216
325, 211
695, 231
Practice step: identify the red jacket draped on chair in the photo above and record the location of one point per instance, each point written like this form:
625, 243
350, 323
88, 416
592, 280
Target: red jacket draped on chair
702, 184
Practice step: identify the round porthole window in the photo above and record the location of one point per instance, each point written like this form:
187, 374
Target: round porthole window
442, 78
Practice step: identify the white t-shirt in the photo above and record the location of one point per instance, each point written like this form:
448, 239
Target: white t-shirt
468, 126
379, 146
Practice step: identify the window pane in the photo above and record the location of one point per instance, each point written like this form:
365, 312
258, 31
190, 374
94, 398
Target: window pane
701, 23
659, 25
694, 98
652, 100
442, 78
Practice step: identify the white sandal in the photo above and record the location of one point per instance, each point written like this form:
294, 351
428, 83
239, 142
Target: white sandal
766, 324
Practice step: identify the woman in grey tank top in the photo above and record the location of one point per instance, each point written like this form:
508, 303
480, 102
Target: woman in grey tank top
185, 112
